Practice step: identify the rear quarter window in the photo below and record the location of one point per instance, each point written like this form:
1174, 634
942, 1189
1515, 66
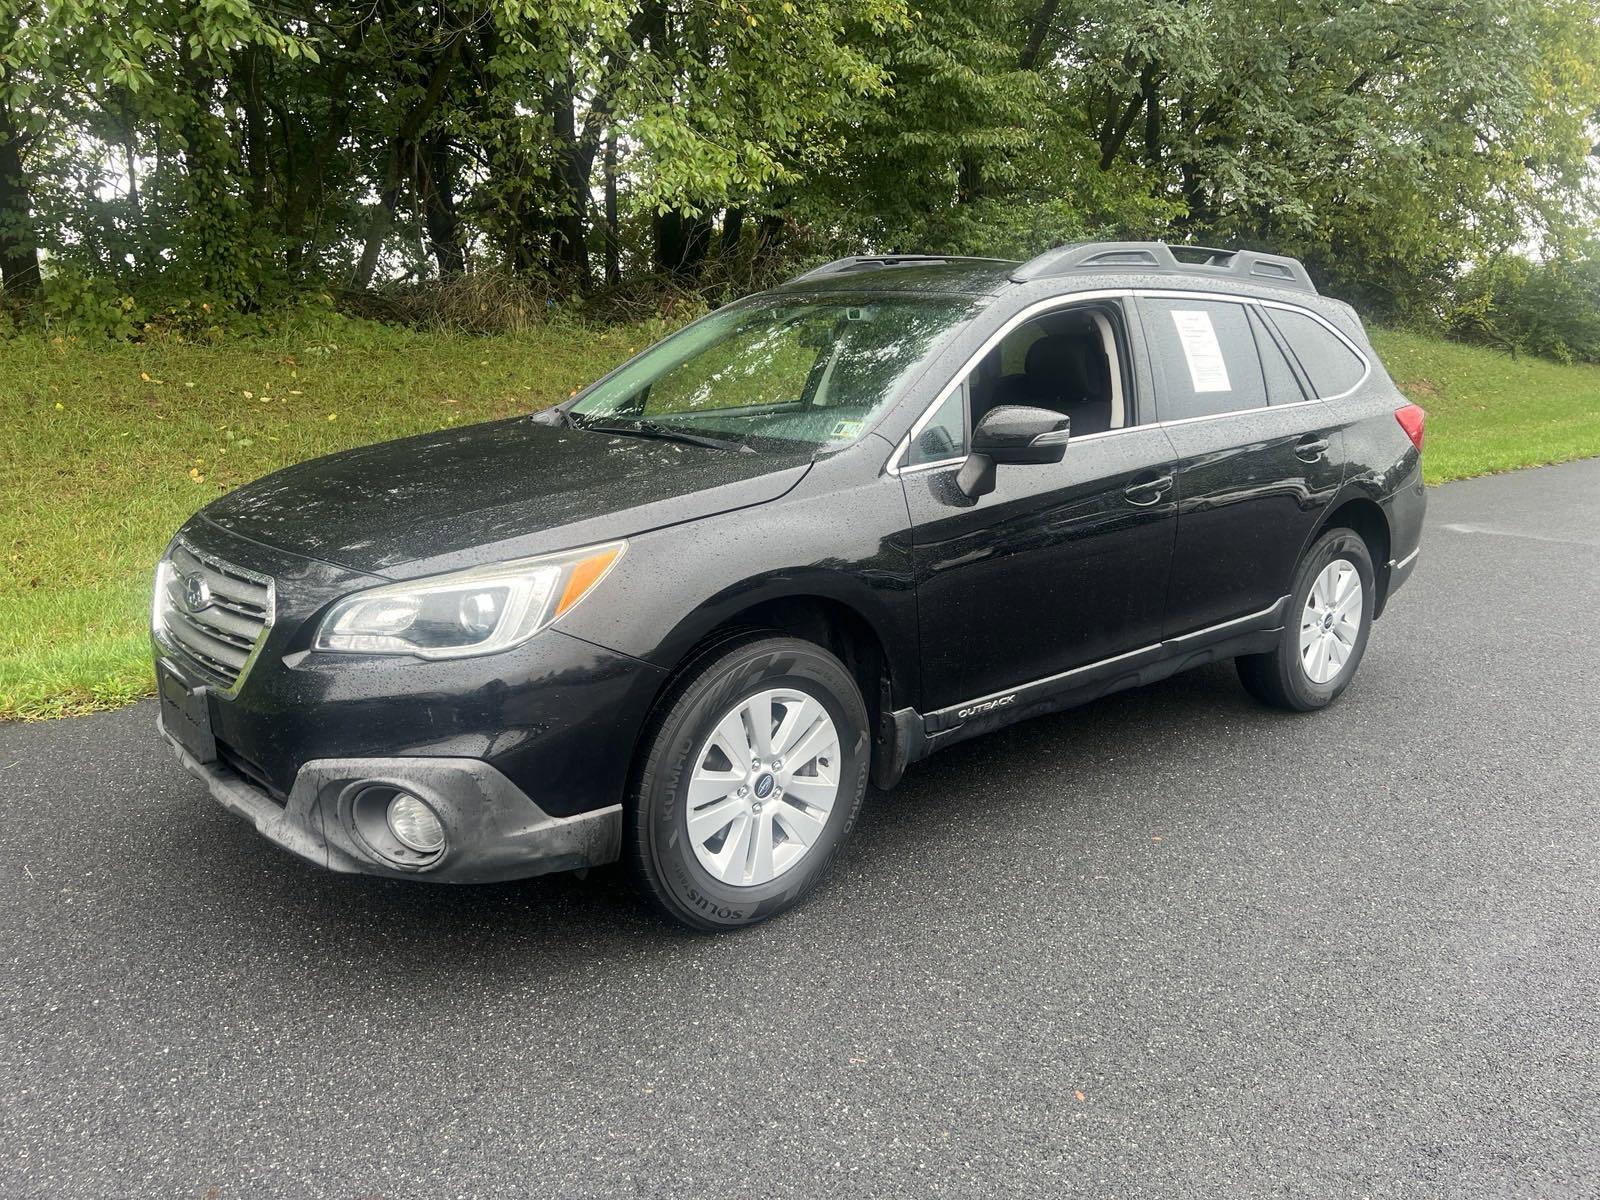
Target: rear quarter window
1332, 366
1282, 386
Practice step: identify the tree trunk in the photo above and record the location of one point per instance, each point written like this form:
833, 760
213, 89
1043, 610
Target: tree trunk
256, 138
569, 250
1194, 193
382, 220
1152, 118
682, 243
403, 146
1037, 30
304, 188
768, 232
436, 183
969, 177
19, 248
732, 227
613, 234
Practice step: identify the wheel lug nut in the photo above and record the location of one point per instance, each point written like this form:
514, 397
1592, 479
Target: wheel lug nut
743, 791
777, 764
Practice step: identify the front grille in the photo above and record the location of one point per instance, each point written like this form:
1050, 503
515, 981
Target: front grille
211, 612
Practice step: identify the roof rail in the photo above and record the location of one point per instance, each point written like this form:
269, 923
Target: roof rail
858, 261
1138, 257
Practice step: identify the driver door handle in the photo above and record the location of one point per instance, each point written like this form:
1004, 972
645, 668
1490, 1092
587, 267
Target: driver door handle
1310, 448
1147, 493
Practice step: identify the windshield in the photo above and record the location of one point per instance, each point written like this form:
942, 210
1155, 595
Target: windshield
788, 370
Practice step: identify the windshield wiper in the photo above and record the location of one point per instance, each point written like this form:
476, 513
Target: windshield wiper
649, 429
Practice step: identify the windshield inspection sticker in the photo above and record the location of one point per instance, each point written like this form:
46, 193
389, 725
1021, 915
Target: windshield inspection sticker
1207, 371
843, 430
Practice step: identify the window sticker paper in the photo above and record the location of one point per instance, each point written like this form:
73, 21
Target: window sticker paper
1207, 370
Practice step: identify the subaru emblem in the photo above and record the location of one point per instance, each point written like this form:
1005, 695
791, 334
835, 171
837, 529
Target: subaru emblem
196, 593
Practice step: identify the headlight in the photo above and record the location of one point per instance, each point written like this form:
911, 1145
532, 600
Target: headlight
159, 594
478, 611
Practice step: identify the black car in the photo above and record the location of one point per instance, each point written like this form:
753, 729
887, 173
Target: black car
684, 618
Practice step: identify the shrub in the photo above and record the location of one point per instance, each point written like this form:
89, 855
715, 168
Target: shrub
1550, 309
479, 302
92, 306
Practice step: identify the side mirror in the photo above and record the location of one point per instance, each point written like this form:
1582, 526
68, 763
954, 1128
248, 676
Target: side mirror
1016, 433
1013, 434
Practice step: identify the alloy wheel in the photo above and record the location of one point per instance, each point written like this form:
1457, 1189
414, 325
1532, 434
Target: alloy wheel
762, 787
1331, 621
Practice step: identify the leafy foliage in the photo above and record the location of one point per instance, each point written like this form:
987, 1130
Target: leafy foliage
1551, 309
238, 153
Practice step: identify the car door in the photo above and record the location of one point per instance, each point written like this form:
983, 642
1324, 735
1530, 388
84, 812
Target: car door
1062, 564
1257, 460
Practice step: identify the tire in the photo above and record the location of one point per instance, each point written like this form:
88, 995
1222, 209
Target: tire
1283, 677
780, 839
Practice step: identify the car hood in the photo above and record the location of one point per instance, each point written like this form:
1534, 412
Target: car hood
494, 491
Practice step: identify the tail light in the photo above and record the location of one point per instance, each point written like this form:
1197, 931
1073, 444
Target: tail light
1411, 419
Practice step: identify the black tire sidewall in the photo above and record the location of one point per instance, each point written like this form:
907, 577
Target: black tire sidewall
1303, 692
680, 883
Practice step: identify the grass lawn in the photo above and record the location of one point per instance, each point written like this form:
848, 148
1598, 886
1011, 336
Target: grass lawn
106, 449
1489, 412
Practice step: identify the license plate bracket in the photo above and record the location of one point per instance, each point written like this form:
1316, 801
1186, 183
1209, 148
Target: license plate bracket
186, 714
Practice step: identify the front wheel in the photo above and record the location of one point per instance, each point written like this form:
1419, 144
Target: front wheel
754, 771
1325, 630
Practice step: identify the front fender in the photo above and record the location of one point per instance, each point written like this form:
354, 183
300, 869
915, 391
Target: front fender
834, 538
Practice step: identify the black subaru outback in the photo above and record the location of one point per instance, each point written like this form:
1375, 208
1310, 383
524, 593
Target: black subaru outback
684, 618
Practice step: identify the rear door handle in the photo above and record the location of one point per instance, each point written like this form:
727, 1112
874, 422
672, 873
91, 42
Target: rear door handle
1147, 493
1310, 448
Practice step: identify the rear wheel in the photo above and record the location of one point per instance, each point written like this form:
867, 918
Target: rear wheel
1324, 631
755, 767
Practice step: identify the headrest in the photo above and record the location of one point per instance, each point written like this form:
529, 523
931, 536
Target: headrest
1060, 357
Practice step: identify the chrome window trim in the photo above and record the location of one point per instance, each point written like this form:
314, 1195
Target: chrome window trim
893, 465
158, 632
927, 466
1082, 437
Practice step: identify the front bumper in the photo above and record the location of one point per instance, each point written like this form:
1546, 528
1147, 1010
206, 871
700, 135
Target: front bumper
493, 831
558, 717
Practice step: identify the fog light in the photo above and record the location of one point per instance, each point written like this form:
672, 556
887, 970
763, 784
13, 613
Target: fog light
412, 822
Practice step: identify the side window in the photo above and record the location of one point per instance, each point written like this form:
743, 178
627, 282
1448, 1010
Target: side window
1072, 360
1206, 356
1332, 367
945, 435
1283, 387
1069, 360
1014, 347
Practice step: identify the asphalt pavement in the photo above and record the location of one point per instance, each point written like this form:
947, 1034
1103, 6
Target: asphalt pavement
1171, 944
